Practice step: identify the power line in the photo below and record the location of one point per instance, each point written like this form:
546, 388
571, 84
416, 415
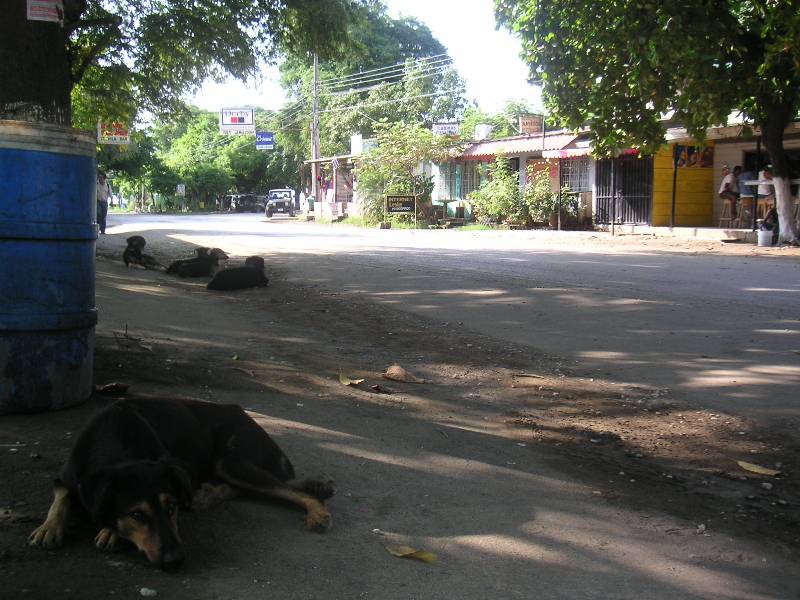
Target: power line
394, 74
387, 82
374, 72
396, 100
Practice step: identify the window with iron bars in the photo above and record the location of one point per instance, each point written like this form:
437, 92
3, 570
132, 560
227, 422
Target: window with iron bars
447, 182
575, 174
471, 177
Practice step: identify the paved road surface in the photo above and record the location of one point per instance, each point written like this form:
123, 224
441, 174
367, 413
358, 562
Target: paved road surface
722, 331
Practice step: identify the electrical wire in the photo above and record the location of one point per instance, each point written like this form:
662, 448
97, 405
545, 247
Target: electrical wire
395, 74
368, 71
387, 83
395, 101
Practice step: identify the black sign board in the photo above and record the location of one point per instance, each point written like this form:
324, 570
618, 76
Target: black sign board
399, 204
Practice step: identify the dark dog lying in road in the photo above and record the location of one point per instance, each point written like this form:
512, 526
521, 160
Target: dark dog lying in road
200, 266
139, 460
239, 278
133, 255
174, 265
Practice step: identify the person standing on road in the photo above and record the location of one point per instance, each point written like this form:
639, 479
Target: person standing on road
103, 194
729, 188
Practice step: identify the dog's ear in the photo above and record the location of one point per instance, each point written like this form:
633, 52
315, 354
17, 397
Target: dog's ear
182, 481
97, 495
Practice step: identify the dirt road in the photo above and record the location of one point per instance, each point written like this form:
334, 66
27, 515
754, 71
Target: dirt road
525, 479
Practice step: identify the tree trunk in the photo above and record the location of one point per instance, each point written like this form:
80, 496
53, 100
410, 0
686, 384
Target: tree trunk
772, 134
34, 68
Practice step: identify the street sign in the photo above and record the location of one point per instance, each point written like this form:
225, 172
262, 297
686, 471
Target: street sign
450, 129
46, 10
237, 120
531, 124
397, 205
113, 134
265, 140
180, 189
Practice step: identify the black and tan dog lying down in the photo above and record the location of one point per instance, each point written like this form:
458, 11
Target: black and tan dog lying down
202, 265
240, 278
139, 460
133, 255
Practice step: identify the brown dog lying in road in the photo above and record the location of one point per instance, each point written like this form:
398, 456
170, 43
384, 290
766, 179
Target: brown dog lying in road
139, 460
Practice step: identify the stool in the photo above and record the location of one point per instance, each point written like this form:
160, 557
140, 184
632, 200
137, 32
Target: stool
745, 217
764, 204
726, 214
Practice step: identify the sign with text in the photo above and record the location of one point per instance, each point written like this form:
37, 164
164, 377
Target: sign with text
445, 128
180, 189
46, 10
113, 134
531, 124
237, 120
396, 205
265, 140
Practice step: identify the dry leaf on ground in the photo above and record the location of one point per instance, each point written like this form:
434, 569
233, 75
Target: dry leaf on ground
408, 552
345, 380
757, 468
398, 373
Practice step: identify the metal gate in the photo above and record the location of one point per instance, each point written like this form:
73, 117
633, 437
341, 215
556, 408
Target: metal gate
624, 190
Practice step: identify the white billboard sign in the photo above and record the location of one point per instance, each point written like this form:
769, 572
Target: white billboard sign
237, 120
445, 128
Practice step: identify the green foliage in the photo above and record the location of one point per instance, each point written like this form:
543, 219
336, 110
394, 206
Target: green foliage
498, 197
376, 41
621, 65
393, 166
538, 197
127, 56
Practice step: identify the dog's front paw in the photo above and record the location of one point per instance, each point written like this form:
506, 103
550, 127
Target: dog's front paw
48, 535
320, 521
106, 539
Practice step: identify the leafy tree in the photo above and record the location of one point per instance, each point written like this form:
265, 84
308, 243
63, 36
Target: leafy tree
128, 55
412, 94
504, 123
498, 198
392, 167
622, 65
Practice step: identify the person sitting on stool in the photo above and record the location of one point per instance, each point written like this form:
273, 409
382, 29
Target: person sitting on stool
766, 191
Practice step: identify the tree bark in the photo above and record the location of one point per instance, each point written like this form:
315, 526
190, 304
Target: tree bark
34, 68
772, 129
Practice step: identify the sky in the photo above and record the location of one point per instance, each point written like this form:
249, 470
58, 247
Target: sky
487, 59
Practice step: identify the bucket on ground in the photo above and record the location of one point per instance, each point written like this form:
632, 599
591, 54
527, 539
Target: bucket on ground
47, 271
765, 237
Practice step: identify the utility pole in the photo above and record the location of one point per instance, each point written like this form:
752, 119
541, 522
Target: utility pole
315, 135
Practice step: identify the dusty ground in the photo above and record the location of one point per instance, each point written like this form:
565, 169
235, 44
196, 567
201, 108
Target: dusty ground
634, 449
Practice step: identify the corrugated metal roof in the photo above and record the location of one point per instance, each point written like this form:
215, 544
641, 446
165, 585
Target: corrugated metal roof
517, 145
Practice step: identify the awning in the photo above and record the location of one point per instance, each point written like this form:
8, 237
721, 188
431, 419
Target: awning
578, 152
569, 153
515, 146
341, 158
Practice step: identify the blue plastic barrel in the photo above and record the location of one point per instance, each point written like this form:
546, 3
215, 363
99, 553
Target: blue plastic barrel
47, 274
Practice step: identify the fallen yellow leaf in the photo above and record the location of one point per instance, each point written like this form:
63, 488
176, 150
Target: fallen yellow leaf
757, 468
408, 552
344, 380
